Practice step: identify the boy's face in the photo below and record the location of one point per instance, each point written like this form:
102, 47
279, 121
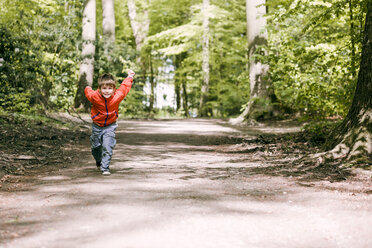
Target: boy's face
107, 90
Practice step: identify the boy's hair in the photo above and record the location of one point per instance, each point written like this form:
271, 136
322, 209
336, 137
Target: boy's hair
106, 79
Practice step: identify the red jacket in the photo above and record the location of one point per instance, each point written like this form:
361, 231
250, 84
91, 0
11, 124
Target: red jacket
105, 111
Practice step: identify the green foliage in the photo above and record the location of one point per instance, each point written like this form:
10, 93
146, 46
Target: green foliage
133, 105
169, 14
312, 54
38, 45
19, 65
317, 132
120, 59
229, 87
123, 30
19, 102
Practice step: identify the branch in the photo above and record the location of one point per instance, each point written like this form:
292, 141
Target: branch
77, 116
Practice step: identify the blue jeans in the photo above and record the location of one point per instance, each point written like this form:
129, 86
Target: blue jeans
103, 142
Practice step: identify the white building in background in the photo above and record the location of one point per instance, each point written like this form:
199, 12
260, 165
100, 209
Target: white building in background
164, 91
164, 95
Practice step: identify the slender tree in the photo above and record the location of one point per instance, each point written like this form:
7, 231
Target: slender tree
140, 26
177, 83
203, 111
152, 84
352, 140
185, 97
177, 92
88, 50
257, 36
108, 24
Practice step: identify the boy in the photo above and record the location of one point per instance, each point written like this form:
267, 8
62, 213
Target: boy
104, 112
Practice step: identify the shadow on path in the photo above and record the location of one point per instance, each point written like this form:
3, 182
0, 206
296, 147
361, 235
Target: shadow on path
183, 183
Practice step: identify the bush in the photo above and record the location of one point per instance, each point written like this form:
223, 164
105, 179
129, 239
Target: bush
317, 132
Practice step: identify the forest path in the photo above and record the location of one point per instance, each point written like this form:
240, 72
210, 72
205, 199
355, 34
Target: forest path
181, 183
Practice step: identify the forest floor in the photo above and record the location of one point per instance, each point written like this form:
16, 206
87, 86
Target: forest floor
177, 183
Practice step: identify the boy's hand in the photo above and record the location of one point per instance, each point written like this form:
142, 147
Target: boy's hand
131, 73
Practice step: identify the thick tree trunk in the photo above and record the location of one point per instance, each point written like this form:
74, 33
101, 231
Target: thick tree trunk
108, 24
203, 111
88, 50
352, 140
260, 95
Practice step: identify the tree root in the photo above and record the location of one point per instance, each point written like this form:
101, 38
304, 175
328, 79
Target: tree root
356, 147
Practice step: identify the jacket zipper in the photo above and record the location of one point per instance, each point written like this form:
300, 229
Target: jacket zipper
107, 113
95, 116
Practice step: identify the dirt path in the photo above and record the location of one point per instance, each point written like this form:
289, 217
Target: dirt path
181, 184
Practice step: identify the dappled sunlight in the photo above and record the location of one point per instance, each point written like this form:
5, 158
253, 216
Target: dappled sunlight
129, 209
356, 144
277, 129
54, 178
192, 127
168, 188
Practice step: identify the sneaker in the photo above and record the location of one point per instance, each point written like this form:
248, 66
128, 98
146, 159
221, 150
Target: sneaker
106, 173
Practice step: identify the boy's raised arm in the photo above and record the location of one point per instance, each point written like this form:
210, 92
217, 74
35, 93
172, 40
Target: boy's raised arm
88, 91
126, 84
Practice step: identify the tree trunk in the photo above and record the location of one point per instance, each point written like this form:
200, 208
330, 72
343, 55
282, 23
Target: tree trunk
352, 140
260, 95
108, 24
177, 92
177, 81
140, 28
88, 50
203, 111
184, 97
152, 83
